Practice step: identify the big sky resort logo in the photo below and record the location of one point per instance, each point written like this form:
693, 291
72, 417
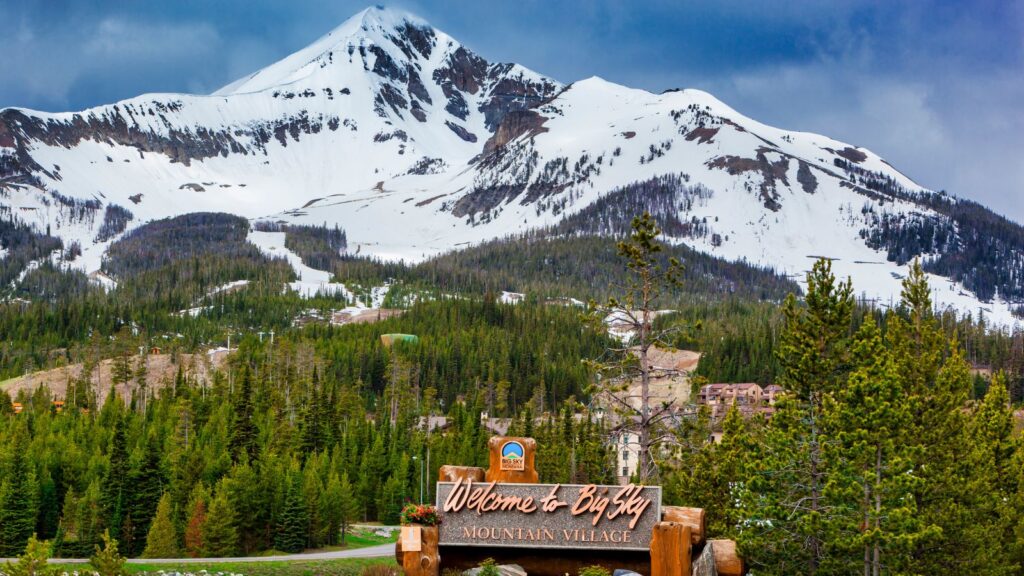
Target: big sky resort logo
512, 456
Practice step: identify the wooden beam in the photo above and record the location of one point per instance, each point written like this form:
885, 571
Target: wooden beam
727, 560
670, 549
451, 473
692, 517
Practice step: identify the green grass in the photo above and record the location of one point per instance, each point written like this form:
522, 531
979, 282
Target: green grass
341, 566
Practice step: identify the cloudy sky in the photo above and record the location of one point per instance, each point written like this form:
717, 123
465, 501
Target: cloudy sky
936, 87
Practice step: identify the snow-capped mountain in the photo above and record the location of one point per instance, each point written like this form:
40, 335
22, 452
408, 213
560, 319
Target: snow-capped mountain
415, 145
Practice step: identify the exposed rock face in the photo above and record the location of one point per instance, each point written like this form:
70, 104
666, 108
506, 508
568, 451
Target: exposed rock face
770, 172
515, 124
460, 131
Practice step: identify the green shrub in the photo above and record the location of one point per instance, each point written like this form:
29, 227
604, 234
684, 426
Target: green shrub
489, 568
594, 571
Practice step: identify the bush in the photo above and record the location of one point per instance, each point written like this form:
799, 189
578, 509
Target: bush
489, 568
594, 571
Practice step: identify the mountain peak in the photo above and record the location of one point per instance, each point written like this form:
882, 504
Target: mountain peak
373, 25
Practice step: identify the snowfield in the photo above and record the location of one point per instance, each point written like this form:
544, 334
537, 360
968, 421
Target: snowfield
412, 144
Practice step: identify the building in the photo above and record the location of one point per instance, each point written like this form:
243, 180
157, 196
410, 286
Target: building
750, 398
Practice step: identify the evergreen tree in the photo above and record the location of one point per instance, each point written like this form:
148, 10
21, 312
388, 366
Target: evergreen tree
938, 384
786, 516
218, 532
348, 507
162, 541
194, 529
18, 498
34, 561
292, 524
114, 498
650, 279
992, 482
392, 496
873, 467
243, 428
108, 561
146, 481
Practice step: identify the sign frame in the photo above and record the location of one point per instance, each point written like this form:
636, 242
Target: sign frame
651, 516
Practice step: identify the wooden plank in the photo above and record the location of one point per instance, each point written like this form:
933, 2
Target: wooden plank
670, 549
692, 517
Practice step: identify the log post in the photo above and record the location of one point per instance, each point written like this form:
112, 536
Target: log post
692, 517
425, 562
451, 473
670, 549
512, 460
727, 560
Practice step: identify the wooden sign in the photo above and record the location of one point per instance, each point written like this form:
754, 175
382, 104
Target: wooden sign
411, 538
547, 515
512, 460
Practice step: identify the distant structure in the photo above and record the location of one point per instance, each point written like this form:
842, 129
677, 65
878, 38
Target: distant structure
750, 398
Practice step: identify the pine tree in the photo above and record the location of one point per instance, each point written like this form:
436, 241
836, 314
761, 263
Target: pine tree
34, 561
992, 482
146, 481
114, 498
873, 467
650, 278
938, 383
292, 524
196, 520
108, 561
162, 542
389, 504
331, 501
243, 441
18, 498
218, 532
349, 506
786, 515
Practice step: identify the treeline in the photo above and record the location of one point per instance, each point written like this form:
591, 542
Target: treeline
20, 245
319, 247
285, 447
177, 261
588, 267
966, 242
876, 461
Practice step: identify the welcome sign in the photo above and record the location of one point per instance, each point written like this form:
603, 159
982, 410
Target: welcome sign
547, 515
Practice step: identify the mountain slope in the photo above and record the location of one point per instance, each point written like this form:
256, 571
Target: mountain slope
415, 146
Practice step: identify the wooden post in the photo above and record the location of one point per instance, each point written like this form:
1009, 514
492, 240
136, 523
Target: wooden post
425, 562
512, 460
727, 560
450, 473
692, 517
670, 549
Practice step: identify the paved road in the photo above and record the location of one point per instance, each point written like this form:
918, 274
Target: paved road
368, 552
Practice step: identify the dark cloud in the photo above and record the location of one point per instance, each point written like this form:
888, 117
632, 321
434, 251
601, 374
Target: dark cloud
935, 87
